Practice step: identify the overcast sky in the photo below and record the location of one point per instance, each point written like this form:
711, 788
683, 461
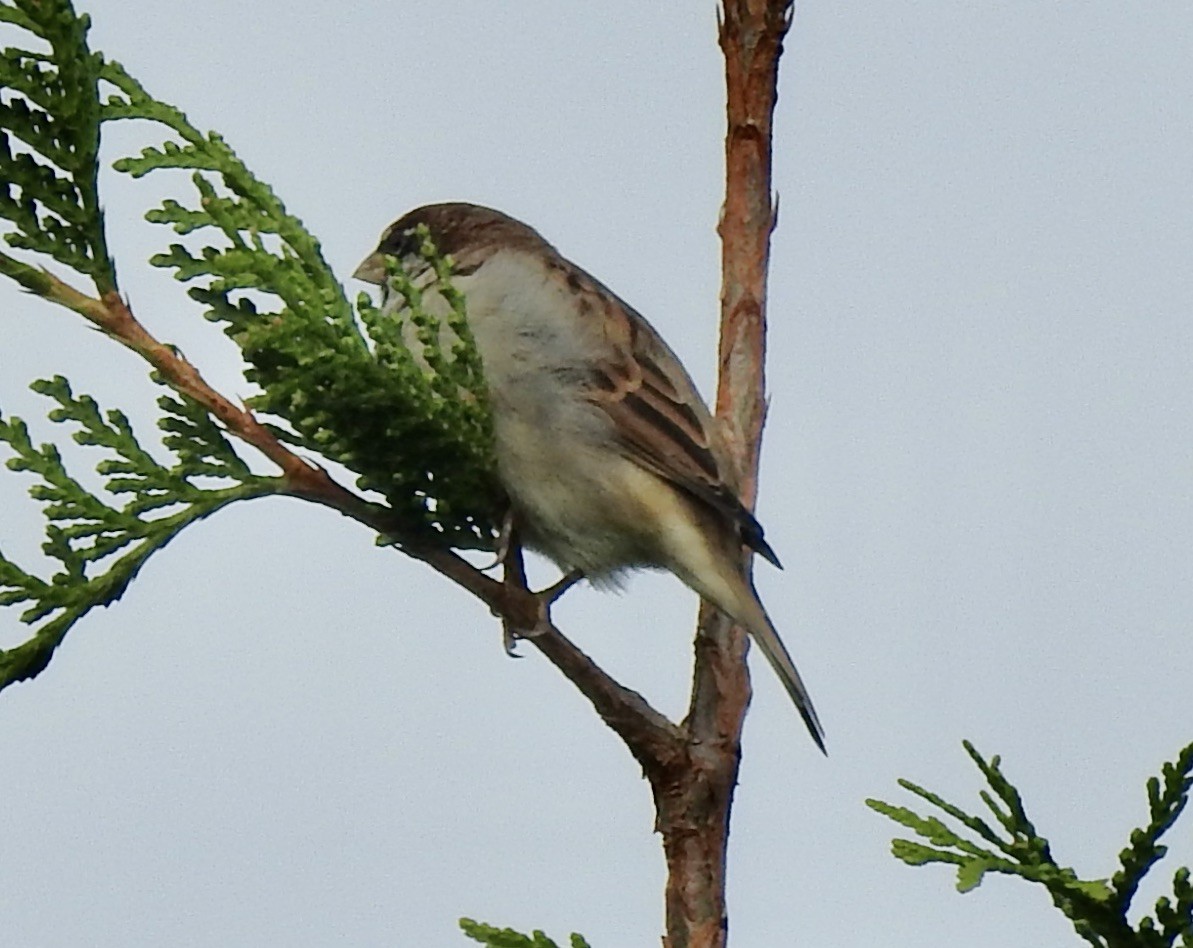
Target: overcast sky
978, 472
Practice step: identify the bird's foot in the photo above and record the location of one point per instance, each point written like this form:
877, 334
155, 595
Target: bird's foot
510, 635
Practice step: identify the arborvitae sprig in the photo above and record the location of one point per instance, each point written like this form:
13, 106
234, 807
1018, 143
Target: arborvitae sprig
428, 340
1166, 800
338, 382
49, 143
416, 431
508, 938
100, 543
1097, 908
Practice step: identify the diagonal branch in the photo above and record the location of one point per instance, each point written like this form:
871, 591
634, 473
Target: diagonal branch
303, 479
649, 735
656, 743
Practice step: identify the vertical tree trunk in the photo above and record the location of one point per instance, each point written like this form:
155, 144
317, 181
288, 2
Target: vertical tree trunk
694, 789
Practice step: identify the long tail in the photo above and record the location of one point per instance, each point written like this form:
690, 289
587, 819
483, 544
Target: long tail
714, 572
764, 633
744, 606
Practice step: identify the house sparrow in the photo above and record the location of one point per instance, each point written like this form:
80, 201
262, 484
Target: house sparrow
609, 456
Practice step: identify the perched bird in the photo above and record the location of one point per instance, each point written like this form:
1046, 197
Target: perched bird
609, 456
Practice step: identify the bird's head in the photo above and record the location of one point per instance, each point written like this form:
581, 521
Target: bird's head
468, 233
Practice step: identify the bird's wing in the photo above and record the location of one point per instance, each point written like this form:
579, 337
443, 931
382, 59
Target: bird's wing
660, 419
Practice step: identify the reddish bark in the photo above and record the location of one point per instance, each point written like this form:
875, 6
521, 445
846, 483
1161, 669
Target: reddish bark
694, 807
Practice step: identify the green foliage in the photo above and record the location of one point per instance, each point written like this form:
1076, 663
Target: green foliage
338, 381
1097, 908
508, 938
49, 143
416, 430
100, 543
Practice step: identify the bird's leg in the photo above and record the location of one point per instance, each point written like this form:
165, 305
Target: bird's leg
543, 600
513, 577
514, 580
504, 538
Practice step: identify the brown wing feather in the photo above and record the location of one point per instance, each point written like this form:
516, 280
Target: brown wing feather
660, 419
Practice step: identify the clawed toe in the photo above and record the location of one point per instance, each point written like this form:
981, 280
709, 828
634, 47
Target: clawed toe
511, 636
554, 592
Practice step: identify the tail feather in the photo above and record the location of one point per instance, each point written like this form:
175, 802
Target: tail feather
710, 564
746, 608
780, 660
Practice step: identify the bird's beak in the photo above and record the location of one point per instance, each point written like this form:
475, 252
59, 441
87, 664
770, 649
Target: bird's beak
371, 269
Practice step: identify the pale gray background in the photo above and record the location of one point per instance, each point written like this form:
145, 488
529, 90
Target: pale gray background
978, 472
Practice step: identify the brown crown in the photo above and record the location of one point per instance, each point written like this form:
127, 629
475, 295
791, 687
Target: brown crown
462, 230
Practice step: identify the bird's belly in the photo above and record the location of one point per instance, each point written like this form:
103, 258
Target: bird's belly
579, 503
